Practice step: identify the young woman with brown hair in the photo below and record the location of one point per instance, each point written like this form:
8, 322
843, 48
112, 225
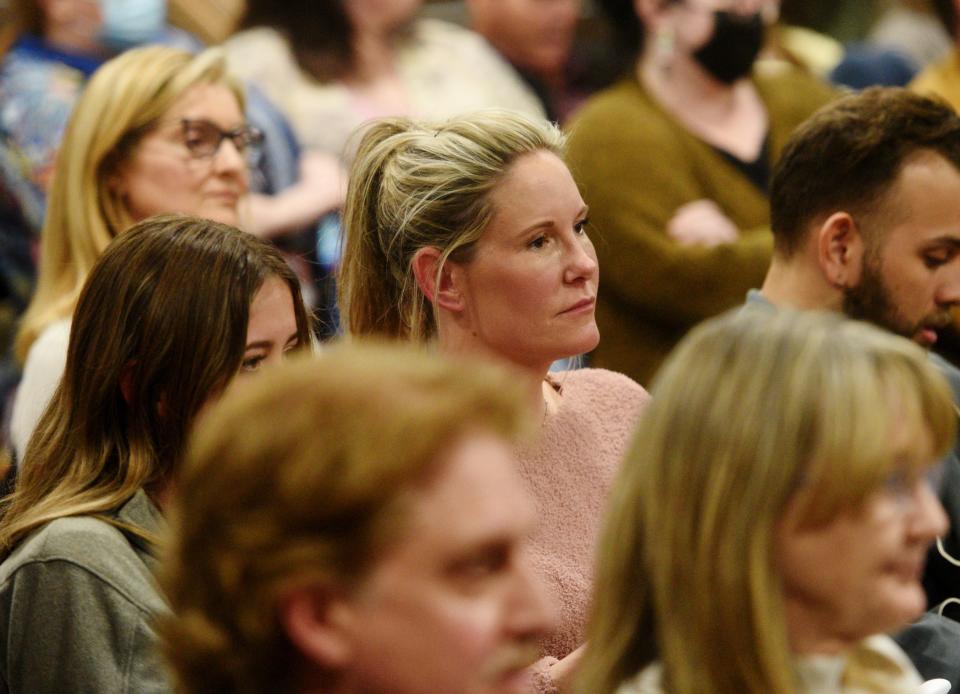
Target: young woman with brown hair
173, 310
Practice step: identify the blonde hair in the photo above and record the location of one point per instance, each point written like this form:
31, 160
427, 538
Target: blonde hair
122, 101
416, 185
275, 496
750, 411
160, 328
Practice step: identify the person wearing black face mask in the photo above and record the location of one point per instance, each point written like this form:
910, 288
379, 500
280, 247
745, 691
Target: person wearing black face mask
733, 46
674, 160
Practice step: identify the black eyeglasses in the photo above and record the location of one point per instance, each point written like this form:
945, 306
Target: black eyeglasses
203, 139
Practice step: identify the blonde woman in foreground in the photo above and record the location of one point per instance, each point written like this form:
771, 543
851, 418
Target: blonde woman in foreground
471, 235
771, 521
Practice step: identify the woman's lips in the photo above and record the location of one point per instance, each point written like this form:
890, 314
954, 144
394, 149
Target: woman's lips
910, 570
227, 196
582, 306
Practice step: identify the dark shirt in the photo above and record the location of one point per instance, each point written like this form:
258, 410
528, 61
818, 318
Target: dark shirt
756, 171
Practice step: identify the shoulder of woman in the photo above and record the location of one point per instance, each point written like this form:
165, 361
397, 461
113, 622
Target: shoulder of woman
621, 99
459, 64
54, 338
76, 540
261, 37
428, 30
250, 50
446, 41
87, 549
603, 386
880, 652
621, 123
41, 374
448, 44
792, 88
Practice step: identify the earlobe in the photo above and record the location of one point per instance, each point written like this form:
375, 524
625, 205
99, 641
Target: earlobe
317, 625
444, 291
126, 382
116, 182
840, 250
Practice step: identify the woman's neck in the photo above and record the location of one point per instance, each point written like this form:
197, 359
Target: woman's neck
375, 59
683, 84
731, 117
532, 375
809, 632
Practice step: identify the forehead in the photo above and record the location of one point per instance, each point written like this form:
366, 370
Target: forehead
211, 101
474, 497
272, 312
911, 436
533, 182
923, 204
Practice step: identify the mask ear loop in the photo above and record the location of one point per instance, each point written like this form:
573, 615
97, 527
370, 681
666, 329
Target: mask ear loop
947, 556
943, 605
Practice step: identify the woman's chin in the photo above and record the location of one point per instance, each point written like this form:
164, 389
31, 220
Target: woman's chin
590, 340
228, 217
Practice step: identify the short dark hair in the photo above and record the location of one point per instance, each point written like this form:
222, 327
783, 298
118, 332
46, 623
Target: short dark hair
848, 154
946, 11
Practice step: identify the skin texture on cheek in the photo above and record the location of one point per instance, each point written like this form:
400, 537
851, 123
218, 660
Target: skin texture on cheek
831, 604
162, 176
439, 611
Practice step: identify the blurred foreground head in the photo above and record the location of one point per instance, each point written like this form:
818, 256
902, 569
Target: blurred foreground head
773, 501
356, 523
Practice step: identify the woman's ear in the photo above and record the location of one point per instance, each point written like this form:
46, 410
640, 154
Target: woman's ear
126, 382
443, 291
114, 177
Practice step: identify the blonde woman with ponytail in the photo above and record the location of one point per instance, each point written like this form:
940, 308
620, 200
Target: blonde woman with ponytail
772, 517
470, 236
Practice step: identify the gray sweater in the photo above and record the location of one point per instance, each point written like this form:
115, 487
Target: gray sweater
77, 601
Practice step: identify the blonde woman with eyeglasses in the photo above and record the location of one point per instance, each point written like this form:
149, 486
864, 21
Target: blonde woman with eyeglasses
157, 130
771, 520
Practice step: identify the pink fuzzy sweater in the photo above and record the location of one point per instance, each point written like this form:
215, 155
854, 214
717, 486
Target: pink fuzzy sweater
569, 470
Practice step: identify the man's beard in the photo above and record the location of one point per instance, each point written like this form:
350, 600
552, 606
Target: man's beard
870, 301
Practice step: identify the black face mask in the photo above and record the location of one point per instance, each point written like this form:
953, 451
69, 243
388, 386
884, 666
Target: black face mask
735, 44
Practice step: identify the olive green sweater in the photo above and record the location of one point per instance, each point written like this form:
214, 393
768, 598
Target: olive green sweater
636, 165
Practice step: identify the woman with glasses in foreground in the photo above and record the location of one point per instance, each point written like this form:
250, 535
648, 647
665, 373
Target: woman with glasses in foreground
157, 130
771, 520
173, 310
